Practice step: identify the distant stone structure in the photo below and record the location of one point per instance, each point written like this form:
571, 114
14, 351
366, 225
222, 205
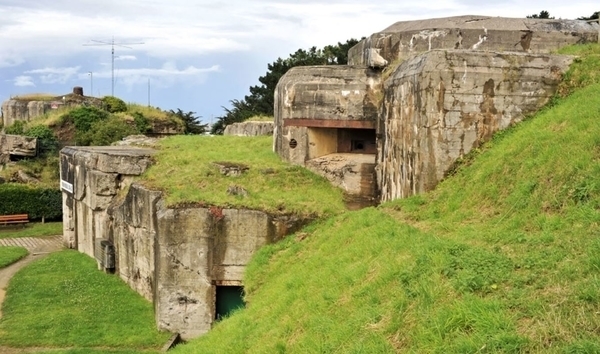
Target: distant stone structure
417, 96
27, 108
249, 128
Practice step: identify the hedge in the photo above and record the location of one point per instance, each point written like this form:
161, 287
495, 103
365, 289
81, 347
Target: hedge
37, 202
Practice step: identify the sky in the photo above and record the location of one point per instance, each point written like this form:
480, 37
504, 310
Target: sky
198, 55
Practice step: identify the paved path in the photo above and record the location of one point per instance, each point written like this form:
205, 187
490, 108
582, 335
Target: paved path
38, 247
34, 244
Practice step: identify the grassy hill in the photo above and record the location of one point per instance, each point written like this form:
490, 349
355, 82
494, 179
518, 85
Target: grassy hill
504, 256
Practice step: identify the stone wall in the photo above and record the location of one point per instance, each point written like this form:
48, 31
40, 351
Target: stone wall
17, 145
249, 128
13, 110
174, 257
441, 104
91, 178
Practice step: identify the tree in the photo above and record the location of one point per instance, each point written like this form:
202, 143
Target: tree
191, 122
543, 14
261, 99
594, 16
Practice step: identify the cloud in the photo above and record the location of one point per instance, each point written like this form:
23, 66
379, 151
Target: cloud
126, 57
55, 75
23, 81
164, 76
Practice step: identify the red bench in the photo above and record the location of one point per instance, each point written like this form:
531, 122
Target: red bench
17, 219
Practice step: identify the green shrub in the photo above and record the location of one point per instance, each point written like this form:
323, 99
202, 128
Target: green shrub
142, 123
37, 202
114, 104
107, 132
47, 141
17, 128
83, 117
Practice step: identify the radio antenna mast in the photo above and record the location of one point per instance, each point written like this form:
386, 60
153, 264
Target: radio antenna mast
112, 45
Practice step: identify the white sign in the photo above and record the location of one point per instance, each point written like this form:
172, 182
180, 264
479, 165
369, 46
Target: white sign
66, 186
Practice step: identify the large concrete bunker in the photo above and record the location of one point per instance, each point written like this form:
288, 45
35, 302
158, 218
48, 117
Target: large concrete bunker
417, 96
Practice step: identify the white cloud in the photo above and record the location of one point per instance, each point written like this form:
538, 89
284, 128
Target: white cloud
55, 75
179, 28
23, 81
126, 57
166, 75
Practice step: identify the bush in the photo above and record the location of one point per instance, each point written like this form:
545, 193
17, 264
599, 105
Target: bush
17, 128
142, 123
107, 132
47, 141
83, 117
37, 202
114, 104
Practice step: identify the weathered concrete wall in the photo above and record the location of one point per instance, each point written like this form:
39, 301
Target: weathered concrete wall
13, 110
407, 38
91, 177
447, 86
18, 145
175, 257
354, 173
250, 128
322, 97
441, 104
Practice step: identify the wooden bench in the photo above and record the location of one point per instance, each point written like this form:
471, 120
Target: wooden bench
17, 219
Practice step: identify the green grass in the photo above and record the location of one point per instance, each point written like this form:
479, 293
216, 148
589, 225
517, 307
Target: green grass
35, 97
9, 255
64, 301
33, 230
45, 170
184, 170
503, 257
97, 351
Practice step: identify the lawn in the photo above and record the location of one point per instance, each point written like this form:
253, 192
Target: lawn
63, 301
9, 255
33, 230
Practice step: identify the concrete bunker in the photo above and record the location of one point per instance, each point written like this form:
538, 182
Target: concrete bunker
189, 261
428, 91
326, 121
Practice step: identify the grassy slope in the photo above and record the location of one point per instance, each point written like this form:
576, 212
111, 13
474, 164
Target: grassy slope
185, 171
504, 256
9, 255
64, 301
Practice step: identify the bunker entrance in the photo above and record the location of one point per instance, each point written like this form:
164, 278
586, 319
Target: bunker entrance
325, 141
228, 299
